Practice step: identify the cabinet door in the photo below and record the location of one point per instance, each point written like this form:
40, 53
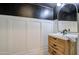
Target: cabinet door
17, 36
46, 29
3, 36
33, 41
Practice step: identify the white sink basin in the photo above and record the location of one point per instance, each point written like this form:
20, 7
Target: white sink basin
72, 36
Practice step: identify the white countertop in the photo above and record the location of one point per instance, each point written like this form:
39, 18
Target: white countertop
72, 36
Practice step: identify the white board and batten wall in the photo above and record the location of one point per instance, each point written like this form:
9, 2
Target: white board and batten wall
21, 35
61, 25
72, 25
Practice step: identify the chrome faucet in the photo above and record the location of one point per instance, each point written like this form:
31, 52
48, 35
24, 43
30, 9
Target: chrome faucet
65, 31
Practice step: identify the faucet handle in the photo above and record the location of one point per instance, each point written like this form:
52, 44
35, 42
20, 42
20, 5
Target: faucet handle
68, 30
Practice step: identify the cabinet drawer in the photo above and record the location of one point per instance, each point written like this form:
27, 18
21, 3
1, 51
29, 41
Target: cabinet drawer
59, 41
56, 47
52, 38
54, 51
56, 43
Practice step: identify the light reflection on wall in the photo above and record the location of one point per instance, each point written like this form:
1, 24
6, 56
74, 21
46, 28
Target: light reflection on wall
44, 13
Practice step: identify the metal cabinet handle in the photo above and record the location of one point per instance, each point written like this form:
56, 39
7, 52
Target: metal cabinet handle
54, 51
54, 44
54, 38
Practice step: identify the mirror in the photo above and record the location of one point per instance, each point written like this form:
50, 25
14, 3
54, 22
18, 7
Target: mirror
67, 13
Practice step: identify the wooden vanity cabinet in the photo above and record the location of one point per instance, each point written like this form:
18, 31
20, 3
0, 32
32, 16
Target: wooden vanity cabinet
58, 46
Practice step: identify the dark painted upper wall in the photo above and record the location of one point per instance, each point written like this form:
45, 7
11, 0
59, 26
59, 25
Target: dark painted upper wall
26, 10
35, 11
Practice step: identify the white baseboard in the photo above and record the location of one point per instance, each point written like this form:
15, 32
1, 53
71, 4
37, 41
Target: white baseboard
42, 51
4, 53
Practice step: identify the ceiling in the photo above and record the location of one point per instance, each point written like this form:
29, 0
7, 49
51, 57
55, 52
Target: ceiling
50, 5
